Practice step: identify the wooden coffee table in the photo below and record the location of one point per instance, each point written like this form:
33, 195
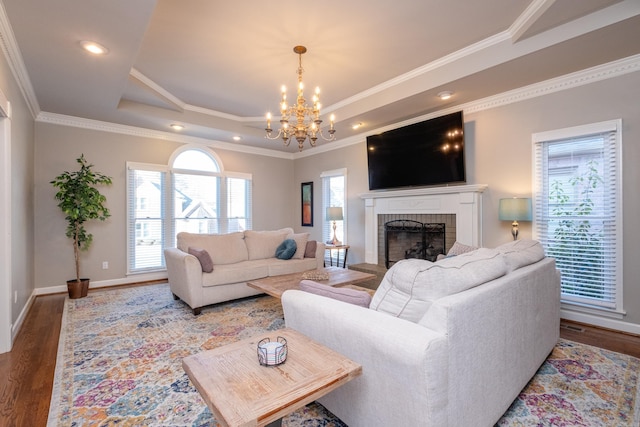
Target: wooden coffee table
241, 392
276, 285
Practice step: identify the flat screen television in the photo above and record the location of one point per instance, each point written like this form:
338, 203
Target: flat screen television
423, 154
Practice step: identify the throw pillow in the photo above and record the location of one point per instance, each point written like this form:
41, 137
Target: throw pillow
520, 253
310, 249
286, 249
459, 249
203, 256
352, 296
301, 243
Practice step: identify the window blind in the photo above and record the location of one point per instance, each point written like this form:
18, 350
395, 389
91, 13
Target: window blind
578, 212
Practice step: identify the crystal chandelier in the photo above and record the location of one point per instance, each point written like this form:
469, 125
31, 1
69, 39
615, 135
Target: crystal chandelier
306, 119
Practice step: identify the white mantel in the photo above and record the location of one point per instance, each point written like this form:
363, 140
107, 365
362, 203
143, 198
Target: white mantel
465, 201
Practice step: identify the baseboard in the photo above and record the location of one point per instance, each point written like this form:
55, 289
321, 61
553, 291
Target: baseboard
138, 278
15, 328
603, 322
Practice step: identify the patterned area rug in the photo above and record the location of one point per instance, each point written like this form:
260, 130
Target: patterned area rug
120, 354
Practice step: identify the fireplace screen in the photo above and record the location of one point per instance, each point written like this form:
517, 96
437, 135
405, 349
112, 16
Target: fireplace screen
404, 239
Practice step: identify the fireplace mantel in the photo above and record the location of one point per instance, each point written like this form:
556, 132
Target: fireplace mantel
465, 201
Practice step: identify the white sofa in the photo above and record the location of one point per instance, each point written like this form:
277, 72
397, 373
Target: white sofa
236, 258
450, 343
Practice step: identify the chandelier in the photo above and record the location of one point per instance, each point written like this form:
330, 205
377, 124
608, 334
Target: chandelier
306, 120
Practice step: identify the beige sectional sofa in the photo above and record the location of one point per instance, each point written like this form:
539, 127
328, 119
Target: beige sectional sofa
450, 343
235, 258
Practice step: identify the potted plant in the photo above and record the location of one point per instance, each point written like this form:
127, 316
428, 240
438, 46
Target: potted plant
80, 200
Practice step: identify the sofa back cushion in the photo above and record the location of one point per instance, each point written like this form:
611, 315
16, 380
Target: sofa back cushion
519, 253
263, 244
410, 286
222, 248
301, 244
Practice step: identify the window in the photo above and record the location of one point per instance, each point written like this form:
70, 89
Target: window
578, 211
191, 194
334, 184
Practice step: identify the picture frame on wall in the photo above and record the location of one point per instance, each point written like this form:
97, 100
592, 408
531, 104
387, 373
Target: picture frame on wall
306, 192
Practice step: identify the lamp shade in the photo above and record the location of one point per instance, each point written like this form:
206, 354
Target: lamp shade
515, 209
334, 214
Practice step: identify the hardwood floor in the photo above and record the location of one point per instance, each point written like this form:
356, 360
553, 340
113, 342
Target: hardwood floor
27, 371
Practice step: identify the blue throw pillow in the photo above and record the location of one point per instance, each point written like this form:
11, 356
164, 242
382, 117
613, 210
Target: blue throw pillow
286, 249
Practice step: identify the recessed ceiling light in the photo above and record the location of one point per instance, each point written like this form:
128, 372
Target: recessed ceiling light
176, 126
445, 94
237, 138
93, 47
357, 125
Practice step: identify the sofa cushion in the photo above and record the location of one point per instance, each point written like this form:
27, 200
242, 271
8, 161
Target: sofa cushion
410, 286
352, 296
519, 253
263, 244
278, 267
459, 249
286, 249
237, 273
310, 249
203, 256
301, 243
223, 248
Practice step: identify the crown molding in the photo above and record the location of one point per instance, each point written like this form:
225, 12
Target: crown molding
16, 63
78, 122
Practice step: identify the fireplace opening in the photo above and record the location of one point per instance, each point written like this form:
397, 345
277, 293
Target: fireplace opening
404, 239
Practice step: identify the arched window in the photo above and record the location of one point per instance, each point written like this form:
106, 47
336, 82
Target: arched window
192, 193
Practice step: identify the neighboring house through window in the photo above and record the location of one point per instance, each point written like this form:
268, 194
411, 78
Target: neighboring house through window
191, 194
578, 212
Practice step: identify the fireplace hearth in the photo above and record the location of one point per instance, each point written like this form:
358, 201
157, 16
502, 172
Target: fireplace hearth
404, 239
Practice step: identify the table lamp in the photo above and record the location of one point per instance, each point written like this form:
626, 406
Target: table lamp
334, 214
515, 209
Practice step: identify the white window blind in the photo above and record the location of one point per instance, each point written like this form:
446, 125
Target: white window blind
239, 209
146, 231
578, 211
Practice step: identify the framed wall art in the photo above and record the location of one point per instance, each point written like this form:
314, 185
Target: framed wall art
306, 189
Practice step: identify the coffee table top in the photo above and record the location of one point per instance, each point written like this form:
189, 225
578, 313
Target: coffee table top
241, 392
276, 285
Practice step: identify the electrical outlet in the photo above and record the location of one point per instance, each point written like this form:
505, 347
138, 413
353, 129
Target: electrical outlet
105, 265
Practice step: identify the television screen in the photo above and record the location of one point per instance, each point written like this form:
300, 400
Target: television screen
422, 154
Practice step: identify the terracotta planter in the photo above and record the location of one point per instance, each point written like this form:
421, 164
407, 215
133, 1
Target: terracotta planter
78, 289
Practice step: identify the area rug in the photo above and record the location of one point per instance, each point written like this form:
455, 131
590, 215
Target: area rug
120, 363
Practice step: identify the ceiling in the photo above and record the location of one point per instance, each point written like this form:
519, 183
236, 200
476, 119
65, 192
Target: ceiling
217, 67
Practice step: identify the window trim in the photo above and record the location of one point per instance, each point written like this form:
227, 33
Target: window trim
614, 126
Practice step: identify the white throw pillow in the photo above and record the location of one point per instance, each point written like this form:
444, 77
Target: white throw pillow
301, 240
410, 286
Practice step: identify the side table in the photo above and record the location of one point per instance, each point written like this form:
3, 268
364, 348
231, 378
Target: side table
337, 248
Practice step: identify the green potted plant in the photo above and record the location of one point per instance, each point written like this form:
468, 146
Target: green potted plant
81, 201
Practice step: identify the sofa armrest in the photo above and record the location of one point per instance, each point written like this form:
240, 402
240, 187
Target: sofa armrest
320, 249
185, 276
399, 359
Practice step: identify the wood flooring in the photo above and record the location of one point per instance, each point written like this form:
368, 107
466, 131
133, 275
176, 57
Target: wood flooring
26, 373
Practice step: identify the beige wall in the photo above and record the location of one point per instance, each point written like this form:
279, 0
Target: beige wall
499, 153
22, 148
57, 147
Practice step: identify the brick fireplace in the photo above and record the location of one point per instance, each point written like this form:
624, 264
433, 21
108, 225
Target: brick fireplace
459, 207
